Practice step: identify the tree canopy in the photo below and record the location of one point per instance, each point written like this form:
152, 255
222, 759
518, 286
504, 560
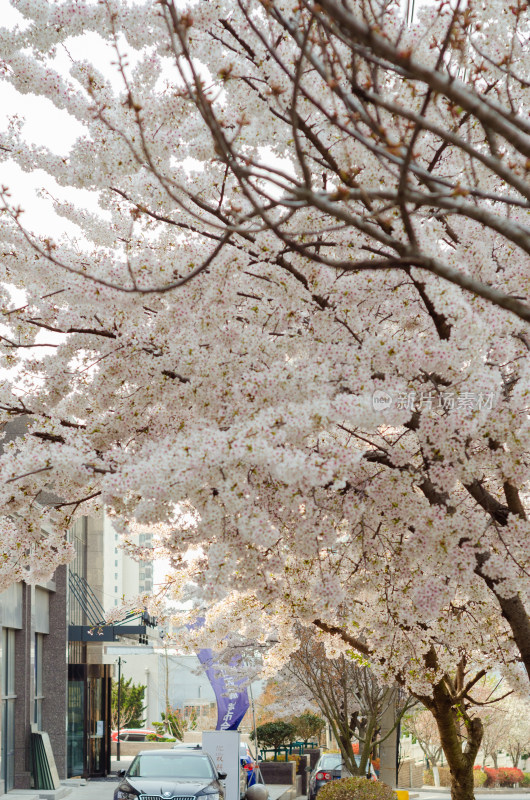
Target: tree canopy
294, 332
131, 704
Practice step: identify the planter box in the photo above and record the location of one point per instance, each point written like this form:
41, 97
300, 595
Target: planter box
305, 770
283, 772
314, 754
132, 748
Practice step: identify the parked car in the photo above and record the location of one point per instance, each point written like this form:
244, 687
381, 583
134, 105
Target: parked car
132, 734
161, 774
243, 770
328, 768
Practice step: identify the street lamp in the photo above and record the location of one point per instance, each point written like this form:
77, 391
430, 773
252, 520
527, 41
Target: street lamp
120, 662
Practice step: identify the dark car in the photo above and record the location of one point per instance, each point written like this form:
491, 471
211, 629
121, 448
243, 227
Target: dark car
244, 773
135, 735
165, 774
327, 768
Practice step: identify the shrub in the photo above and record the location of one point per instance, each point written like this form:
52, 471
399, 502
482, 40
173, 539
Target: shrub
505, 776
297, 759
356, 789
526, 779
308, 726
492, 778
510, 775
274, 734
428, 778
479, 777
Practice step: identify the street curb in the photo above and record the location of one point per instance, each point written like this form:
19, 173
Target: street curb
479, 792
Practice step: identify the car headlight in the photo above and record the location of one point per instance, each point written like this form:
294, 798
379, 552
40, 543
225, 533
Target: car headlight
123, 795
209, 795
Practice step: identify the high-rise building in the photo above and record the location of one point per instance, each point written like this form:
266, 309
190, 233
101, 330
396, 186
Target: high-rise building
123, 577
101, 577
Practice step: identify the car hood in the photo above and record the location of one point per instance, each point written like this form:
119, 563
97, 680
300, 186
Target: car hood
167, 787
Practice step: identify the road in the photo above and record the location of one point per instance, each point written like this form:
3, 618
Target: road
104, 790
511, 794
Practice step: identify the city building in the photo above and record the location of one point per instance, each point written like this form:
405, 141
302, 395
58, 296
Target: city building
53, 675
122, 576
33, 666
100, 577
33, 676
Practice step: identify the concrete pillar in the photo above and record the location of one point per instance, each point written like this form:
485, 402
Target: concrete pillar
388, 748
24, 688
55, 673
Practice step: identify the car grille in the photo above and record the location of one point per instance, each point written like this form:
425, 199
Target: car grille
160, 797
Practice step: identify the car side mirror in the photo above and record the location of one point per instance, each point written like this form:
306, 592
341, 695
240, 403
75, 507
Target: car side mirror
121, 773
221, 776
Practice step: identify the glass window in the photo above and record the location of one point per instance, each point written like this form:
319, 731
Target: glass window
331, 762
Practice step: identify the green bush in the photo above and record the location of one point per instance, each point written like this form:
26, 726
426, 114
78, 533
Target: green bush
308, 726
443, 773
274, 734
479, 778
356, 789
526, 779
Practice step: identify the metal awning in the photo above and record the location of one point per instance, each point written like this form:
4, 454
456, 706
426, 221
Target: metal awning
96, 628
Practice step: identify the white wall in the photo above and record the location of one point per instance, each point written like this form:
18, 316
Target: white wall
147, 665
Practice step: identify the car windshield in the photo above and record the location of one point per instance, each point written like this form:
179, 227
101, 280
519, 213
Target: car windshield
172, 765
330, 762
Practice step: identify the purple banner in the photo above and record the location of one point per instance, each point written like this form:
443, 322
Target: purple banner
232, 701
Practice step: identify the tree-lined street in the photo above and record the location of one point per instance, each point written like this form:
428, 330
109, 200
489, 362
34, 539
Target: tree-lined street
289, 337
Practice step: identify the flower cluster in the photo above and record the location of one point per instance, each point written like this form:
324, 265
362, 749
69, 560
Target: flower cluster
275, 236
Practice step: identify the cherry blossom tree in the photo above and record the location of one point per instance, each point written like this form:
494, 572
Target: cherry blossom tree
506, 728
295, 330
349, 697
517, 742
422, 726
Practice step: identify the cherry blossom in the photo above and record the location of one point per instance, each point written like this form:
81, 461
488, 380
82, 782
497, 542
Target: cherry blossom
292, 333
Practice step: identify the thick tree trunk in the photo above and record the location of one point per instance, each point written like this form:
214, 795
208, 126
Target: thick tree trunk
460, 762
462, 787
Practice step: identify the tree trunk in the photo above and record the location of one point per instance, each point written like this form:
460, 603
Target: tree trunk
348, 758
460, 762
495, 757
462, 786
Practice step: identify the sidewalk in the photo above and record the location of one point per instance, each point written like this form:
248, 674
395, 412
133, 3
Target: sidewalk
103, 788
478, 791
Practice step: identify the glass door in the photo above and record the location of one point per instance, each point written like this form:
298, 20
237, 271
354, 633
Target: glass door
96, 727
76, 728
